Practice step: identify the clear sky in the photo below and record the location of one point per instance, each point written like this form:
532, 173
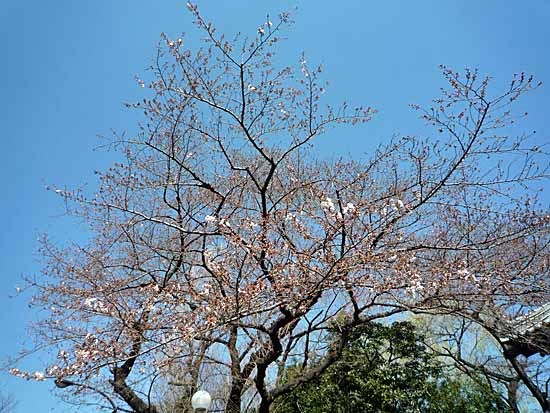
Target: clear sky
67, 65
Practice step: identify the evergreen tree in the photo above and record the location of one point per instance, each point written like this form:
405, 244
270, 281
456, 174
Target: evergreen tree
388, 369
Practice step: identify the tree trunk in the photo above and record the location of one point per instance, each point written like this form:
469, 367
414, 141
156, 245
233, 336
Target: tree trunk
264, 406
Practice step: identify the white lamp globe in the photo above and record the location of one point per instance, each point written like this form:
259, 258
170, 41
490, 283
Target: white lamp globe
201, 400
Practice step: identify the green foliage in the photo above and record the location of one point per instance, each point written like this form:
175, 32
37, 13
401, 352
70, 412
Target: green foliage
464, 395
388, 369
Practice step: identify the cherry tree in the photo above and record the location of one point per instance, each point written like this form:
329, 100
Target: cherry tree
222, 249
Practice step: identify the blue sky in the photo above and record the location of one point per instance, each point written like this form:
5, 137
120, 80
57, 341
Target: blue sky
68, 65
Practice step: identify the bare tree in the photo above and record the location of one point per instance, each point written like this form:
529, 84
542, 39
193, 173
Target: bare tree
220, 235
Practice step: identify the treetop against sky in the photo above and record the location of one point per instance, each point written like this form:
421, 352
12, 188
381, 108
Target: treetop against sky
74, 63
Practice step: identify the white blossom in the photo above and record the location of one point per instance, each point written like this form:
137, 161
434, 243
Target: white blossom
38, 375
95, 304
415, 288
89, 302
16, 372
349, 209
327, 204
396, 204
209, 219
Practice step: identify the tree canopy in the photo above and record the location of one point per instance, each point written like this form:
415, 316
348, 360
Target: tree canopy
224, 249
389, 369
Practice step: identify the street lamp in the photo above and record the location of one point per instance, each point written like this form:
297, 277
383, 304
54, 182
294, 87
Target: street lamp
201, 401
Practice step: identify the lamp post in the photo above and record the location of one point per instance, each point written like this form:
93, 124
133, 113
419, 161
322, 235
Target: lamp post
201, 401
